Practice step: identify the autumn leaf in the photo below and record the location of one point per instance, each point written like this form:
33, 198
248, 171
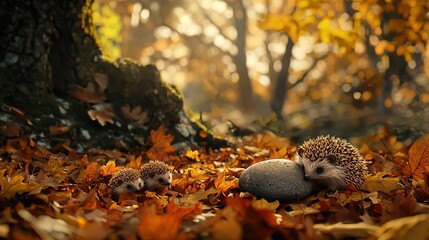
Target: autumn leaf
110, 168
135, 114
419, 157
381, 182
58, 130
161, 143
264, 204
88, 94
155, 226
103, 114
222, 184
10, 186
415, 227
183, 212
135, 162
347, 230
92, 171
228, 227
194, 198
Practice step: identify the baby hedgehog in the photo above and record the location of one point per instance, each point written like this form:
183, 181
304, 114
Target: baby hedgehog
331, 162
126, 180
156, 175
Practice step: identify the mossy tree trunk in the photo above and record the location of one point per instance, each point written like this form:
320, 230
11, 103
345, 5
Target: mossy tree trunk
53, 75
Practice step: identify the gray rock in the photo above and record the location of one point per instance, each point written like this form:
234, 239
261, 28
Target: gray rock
276, 179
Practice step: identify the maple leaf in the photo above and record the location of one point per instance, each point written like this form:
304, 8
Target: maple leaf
161, 143
110, 168
92, 171
264, 204
10, 186
88, 94
418, 154
135, 114
135, 162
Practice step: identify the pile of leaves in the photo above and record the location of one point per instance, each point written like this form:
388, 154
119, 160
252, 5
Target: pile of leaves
59, 193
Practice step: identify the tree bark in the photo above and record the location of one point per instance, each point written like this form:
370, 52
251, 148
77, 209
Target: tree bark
48, 53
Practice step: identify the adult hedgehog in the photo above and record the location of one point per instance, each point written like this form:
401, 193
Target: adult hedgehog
332, 163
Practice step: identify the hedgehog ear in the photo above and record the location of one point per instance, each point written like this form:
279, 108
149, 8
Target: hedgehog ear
301, 152
332, 159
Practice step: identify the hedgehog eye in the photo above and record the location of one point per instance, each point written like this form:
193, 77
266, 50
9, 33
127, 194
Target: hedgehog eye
319, 170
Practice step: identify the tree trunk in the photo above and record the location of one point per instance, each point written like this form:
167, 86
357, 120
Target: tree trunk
280, 86
52, 74
245, 92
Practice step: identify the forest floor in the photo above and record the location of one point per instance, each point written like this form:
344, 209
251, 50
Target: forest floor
59, 193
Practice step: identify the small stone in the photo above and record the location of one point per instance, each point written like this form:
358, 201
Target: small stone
276, 179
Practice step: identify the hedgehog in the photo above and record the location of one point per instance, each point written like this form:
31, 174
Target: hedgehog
156, 175
332, 163
126, 180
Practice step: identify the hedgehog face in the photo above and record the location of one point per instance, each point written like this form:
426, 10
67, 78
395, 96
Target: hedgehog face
158, 181
324, 172
130, 186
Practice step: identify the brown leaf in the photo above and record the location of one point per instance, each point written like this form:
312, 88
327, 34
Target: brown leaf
415, 227
92, 171
10, 186
135, 114
89, 94
228, 227
103, 116
183, 212
58, 130
418, 154
102, 81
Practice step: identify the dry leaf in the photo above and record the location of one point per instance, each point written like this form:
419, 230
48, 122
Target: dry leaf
102, 81
264, 204
228, 227
419, 157
161, 143
415, 227
135, 114
159, 227
110, 168
89, 94
381, 182
343, 230
10, 186
103, 116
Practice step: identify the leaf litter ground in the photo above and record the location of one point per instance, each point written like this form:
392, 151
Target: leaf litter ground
62, 194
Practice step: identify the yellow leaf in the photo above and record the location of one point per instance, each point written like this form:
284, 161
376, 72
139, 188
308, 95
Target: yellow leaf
10, 186
110, 168
228, 227
264, 204
381, 182
415, 227
347, 230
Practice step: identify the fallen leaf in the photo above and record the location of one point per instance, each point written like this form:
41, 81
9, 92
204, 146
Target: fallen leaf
183, 212
58, 130
228, 227
102, 81
103, 116
415, 227
110, 168
347, 230
194, 198
419, 157
88, 94
135, 114
161, 143
381, 182
10, 186
156, 226
264, 204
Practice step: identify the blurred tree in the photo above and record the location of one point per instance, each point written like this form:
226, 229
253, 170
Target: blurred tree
53, 74
383, 29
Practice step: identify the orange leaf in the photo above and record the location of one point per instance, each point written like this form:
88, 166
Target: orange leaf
110, 168
418, 154
92, 171
184, 212
223, 185
135, 162
154, 226
161, 143
10, 186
